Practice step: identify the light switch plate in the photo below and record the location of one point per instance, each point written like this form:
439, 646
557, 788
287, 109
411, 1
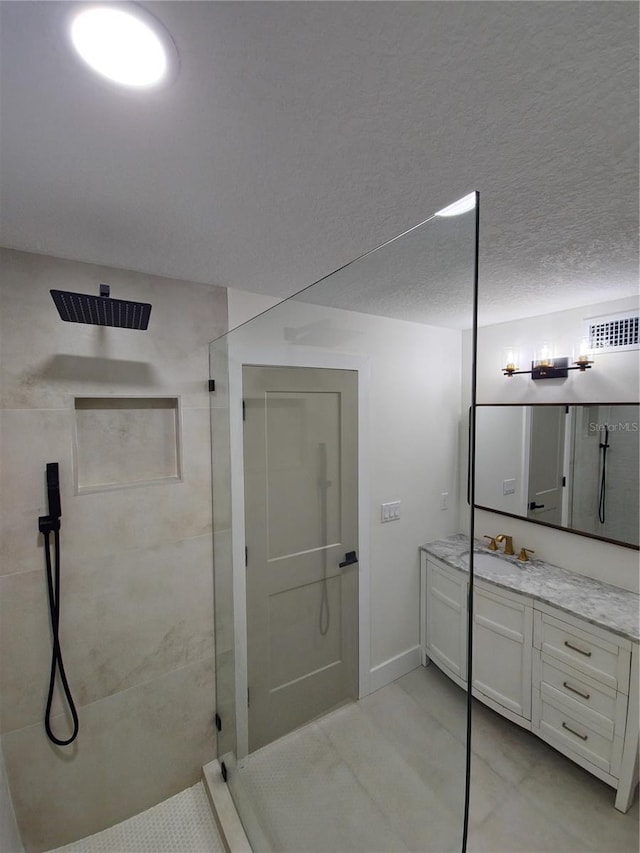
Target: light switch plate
390, 511
508, 487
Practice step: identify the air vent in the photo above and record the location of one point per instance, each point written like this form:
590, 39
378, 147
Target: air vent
613, 333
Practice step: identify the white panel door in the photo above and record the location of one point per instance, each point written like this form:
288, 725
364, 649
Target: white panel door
301, 510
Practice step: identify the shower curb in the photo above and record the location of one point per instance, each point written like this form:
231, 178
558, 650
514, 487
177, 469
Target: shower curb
224, 811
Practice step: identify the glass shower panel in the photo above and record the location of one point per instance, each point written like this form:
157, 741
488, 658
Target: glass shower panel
339, 448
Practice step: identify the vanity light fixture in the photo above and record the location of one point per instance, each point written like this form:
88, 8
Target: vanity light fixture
545, 366
124, 43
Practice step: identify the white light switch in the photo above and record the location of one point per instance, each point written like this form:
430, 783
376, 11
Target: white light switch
508, 487
390, 511
444, 500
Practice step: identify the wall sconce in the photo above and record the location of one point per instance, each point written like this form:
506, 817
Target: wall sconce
546, 366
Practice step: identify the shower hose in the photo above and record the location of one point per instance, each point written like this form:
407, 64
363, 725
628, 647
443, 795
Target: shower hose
53, 584
602, 498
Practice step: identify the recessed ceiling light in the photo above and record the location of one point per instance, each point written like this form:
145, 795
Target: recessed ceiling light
463, 205
124, 43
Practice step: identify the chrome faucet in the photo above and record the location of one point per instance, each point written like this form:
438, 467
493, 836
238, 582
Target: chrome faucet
508, 544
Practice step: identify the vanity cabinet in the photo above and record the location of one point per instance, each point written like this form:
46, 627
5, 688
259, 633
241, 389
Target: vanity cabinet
502, 653
502, 632
573, 684
445, 640
582, 700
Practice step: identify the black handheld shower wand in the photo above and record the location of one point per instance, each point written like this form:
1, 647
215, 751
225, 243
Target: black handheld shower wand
48, 524
602, 497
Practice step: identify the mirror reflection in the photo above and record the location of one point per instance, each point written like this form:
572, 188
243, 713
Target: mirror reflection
571, 466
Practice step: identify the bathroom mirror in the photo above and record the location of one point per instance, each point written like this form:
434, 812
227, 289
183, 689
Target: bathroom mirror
574, 467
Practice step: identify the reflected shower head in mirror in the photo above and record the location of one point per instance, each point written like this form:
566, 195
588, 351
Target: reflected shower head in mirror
101, 310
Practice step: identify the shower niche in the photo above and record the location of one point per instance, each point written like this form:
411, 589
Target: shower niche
120, 442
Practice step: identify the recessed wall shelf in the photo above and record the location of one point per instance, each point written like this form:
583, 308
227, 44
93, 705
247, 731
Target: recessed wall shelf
126, 441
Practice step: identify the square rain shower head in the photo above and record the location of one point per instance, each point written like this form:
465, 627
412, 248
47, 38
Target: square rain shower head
101, 310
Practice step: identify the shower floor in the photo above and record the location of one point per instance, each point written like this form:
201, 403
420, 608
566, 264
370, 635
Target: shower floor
181, 824
385, 775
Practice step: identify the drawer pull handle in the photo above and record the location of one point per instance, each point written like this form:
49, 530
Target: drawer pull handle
576, 649
574, 690
573, 732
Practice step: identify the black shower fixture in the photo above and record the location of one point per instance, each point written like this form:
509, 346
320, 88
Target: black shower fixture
101, 310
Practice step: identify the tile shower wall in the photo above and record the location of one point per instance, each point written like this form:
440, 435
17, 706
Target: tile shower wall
137, 584
9, 838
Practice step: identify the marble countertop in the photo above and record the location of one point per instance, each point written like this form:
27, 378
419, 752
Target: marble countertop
599, 603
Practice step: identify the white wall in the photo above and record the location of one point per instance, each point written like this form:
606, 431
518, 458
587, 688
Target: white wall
243, 305
413, 420
613, 378
500, 435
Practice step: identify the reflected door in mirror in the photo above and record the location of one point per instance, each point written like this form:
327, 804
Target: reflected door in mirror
546, 463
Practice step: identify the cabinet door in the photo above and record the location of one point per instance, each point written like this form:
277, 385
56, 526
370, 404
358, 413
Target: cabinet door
502, 634
447, 620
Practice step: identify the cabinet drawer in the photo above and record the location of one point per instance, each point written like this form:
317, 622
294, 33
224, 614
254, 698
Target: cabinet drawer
598, 705
572, 736
588, 653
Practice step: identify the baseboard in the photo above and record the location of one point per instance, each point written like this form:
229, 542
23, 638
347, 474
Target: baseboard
393, 668
224, 811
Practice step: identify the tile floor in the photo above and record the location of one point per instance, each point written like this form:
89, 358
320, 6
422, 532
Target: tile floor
181, 824
385, 775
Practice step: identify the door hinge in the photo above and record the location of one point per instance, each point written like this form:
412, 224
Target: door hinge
248, 697
223, 770
212, 385
218, 720
566, 410
246, 556
564, 481
244, 411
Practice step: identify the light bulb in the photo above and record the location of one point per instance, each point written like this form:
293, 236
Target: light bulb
124, 44
585, 350
544, 357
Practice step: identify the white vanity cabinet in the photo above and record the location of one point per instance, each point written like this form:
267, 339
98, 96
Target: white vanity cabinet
502, 632
585, 700
444, 618
573, 684
502, 653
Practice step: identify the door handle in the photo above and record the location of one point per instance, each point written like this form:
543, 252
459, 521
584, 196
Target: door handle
534, 505
349, 559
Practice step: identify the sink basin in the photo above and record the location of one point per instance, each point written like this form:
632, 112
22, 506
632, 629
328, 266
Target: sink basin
485, 561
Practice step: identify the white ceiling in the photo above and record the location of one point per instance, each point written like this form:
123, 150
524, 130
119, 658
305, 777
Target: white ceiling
300, 135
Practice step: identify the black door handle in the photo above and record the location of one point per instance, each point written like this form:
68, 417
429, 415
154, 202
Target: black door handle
349, 559
534, 505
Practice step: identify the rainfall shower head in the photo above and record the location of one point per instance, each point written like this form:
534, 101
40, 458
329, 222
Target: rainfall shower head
101, 310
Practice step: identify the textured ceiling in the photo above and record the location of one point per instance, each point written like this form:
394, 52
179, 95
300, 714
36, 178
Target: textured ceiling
299, 135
